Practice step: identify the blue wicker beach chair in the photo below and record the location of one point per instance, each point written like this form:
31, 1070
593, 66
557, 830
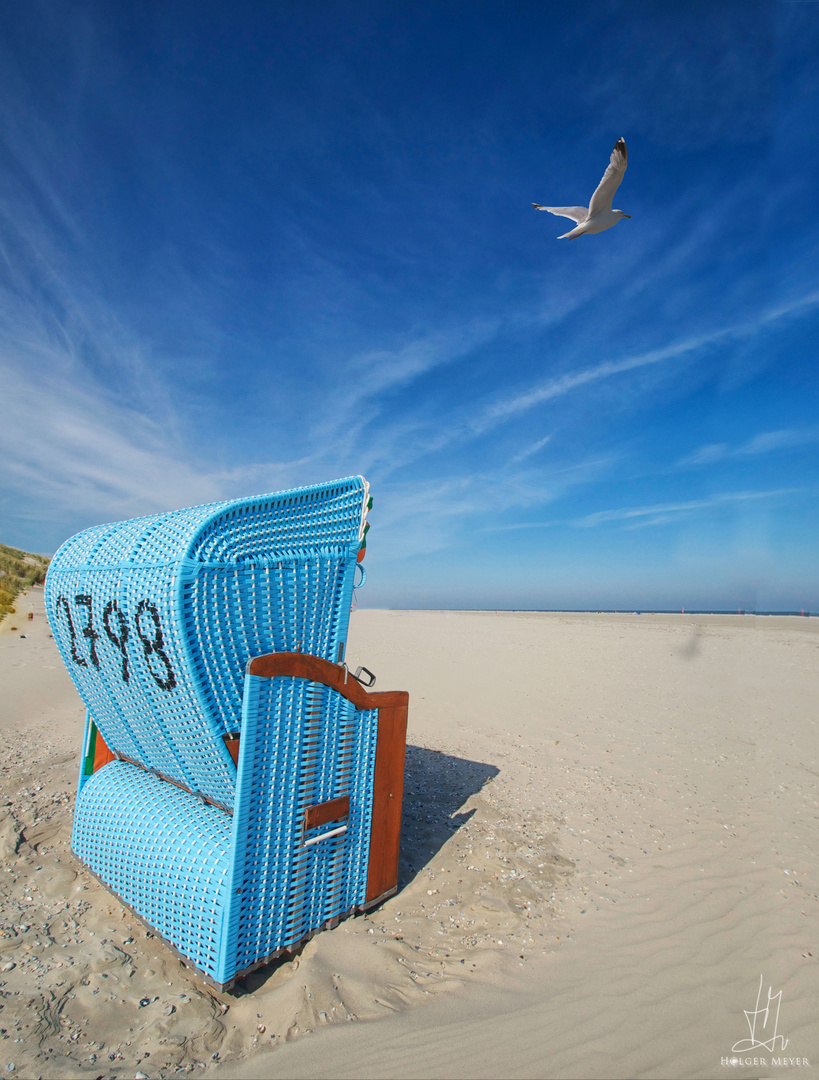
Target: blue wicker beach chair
239, 789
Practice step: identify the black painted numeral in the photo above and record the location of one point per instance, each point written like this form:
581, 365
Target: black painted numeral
88, 630
148, 628
154, 646
63, 603
118, 639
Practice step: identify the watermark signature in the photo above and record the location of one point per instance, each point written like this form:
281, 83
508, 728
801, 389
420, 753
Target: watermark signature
763, 1025
762, 1020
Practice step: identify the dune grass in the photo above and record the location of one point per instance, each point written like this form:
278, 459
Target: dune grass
19, 570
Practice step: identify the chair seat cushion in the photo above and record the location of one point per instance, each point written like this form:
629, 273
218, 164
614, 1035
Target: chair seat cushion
163, 851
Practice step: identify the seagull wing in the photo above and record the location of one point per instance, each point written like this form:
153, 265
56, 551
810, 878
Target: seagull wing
576, 213
612, 178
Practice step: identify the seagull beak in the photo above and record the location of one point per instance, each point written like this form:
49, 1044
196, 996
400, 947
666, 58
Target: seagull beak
627, 215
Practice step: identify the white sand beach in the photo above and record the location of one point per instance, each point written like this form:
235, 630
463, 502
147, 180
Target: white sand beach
610, 836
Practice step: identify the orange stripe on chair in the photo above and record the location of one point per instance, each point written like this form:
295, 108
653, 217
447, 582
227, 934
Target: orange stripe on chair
102, 755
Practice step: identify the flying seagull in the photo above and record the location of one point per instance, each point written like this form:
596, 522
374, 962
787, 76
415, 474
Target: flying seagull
599, 215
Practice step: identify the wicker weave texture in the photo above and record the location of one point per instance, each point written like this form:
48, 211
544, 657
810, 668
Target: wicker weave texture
302, 744
164, 852
157, 617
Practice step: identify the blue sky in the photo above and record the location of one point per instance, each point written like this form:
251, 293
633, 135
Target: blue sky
245, 247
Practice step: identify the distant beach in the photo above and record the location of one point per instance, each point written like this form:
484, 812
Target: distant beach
610, 835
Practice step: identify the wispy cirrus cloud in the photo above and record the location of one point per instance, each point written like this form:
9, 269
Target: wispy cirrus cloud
399, 443
655, 514
564, 384
662, 513
388, 444
765, 442
421, 517
508, 407
76, 452
416, 437
528, 451
706, 454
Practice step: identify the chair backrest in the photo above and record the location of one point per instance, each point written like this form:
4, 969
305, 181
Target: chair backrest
157, 617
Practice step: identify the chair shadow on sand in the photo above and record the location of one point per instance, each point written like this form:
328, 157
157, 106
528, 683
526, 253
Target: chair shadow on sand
436, 786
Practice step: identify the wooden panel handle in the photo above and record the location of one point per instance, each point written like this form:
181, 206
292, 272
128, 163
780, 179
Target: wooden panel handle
305, 666
321, 813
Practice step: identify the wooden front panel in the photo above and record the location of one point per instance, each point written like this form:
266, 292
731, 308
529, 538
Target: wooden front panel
390, 751
388, 794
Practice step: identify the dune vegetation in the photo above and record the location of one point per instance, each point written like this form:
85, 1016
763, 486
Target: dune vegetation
19, 570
